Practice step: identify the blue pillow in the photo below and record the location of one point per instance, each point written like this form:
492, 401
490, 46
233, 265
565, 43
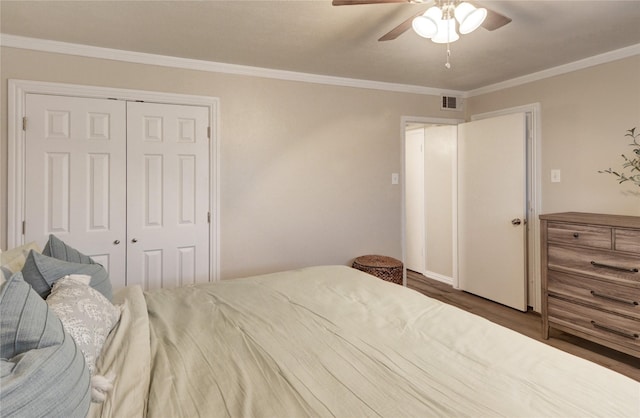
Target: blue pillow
41, 272
57, 248
42, 371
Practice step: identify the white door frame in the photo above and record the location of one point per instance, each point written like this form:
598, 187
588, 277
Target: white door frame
410, 201
18, 89
534, 154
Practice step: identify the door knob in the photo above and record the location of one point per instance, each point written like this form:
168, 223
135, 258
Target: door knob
516, 221
116, 242
134, 240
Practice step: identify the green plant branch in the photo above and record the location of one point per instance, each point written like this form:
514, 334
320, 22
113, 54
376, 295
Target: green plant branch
631, 166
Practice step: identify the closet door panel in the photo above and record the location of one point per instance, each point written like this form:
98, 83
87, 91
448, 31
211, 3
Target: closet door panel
76, 176
167, 194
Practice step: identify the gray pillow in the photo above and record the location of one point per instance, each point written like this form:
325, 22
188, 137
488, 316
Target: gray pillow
42, 372
57, 248
41, 271
6, 272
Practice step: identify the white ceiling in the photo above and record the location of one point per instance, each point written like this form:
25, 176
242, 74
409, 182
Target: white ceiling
318, 38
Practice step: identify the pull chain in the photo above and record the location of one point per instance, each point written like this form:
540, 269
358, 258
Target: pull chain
448, 64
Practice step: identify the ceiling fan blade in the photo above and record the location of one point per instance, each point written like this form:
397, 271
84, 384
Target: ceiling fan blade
356, 2
494, 20
400, 29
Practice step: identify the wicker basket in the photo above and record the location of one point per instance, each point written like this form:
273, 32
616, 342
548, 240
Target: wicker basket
383, 267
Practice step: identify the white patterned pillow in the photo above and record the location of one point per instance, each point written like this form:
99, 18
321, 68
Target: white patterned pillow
85, 314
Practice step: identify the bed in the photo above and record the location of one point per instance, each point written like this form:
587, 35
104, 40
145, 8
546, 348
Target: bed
335, 341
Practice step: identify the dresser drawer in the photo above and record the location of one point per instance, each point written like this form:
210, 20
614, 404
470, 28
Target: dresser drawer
609, 265
585, 235
591, 278
623, 300
610, 327
627, 240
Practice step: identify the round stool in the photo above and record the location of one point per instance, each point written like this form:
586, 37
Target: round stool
383, 267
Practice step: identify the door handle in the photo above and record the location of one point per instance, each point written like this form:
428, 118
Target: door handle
116, 242
134, 240
516, 221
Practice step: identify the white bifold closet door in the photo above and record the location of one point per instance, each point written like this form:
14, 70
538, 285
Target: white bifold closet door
75, 177
167, 195
124, 182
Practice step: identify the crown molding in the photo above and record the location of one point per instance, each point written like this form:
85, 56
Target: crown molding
562, 69
45, 45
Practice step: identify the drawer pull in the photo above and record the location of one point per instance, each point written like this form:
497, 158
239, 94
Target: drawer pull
624, 334
613, 298
608, 266
576, 235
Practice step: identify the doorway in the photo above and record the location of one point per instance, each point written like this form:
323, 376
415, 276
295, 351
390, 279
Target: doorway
430, 178
533, 284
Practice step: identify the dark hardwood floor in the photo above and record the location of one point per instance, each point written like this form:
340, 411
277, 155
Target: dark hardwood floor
527, 323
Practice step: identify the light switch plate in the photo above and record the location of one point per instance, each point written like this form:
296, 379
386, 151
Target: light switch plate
555, 176
395, 178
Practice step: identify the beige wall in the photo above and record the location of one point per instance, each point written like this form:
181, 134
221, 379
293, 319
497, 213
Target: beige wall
305, 168
585, 115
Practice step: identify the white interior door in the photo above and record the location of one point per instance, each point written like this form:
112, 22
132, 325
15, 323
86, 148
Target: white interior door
167, 194
491, 200
75, 180
415, 258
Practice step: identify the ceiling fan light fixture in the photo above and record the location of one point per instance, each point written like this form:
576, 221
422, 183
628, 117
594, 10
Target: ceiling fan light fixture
434, 12
469, 17
446, 32
427, 24
424, 26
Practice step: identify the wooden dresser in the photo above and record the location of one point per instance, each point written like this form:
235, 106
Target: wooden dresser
591, 278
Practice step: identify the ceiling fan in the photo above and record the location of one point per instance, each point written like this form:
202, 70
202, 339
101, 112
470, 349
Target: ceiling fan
492, 20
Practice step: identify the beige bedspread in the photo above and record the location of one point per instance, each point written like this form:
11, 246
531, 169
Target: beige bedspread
333, 341
126, 353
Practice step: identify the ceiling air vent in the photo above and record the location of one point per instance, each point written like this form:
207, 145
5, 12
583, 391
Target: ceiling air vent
450, 103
